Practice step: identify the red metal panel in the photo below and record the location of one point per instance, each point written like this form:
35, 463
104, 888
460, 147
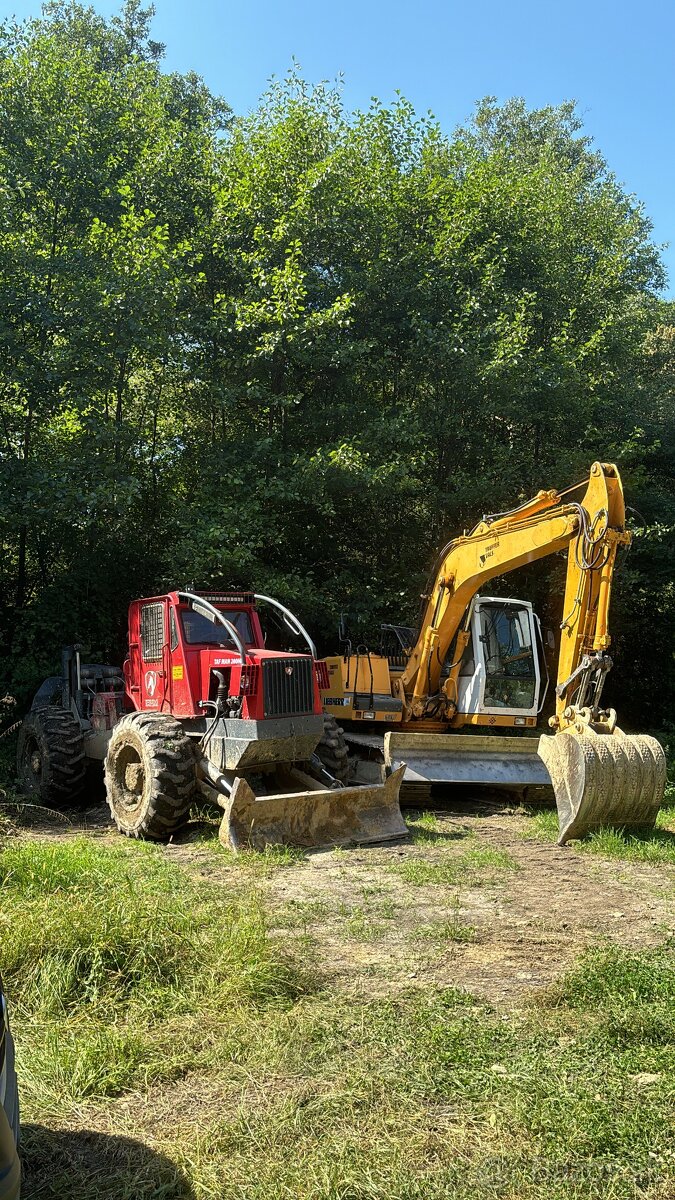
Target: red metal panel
154, 671
185, 674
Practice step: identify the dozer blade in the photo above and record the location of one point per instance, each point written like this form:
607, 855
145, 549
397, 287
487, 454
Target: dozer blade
508, 762
604, 779
313, 818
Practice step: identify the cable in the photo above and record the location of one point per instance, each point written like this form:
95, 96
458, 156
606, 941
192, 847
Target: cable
587, 542
210, 730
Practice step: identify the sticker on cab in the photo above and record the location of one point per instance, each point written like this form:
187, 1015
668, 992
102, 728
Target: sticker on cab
176, 672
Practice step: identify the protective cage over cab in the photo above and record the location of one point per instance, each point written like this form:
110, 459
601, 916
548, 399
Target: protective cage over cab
203, 708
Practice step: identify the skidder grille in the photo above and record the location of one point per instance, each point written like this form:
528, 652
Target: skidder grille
288, 687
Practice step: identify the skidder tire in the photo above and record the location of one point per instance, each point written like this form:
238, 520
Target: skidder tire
149, 776
332, 749
50, 757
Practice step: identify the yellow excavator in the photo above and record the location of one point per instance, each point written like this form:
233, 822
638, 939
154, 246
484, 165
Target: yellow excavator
480, 661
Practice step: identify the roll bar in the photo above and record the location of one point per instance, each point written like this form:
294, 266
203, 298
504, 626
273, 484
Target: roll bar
198, 602
290, 620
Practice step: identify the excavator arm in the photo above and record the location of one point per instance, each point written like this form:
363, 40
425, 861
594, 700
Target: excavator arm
590, 531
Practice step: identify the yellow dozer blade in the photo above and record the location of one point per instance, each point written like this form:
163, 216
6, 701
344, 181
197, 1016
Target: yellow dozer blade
604, 779
467, 758
314, 817
598, 779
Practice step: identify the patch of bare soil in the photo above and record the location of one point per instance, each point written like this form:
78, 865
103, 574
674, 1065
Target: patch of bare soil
500, 934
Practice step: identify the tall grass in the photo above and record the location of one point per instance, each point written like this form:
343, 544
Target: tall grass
108, 954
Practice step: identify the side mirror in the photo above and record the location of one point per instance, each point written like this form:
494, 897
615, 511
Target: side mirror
204, 611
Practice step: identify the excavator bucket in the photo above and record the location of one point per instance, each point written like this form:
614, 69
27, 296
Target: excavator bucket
604, 779
314, 817
437, 758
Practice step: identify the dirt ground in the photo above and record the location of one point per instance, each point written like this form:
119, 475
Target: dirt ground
499, 933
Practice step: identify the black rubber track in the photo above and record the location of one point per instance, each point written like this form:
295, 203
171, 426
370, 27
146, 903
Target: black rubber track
332, 749
55, 736
158, 745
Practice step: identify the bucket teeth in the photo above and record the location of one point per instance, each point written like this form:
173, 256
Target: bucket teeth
316, 818
615, 780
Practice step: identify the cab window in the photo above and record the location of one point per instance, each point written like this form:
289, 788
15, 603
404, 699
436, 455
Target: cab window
199, 631
510, 676
152, 631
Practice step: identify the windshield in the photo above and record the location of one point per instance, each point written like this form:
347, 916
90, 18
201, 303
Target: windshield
509, 661
199, 631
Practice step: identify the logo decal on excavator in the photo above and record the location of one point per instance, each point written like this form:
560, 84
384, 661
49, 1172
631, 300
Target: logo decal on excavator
488, 552
151, 680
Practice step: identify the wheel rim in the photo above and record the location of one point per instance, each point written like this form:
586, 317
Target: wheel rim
130, 778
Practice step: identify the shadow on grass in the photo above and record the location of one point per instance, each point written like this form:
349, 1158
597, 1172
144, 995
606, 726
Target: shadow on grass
84, 1165
420, 835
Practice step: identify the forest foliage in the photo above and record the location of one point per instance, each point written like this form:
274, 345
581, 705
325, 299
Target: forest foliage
298, 349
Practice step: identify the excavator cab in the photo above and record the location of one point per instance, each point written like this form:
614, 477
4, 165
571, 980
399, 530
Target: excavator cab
503, 668
502, 684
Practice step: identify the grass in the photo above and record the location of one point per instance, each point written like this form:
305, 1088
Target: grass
361, 922
651, 846
264, 863
426, 830
434, 1095
364, 922
620, 980
452, 929
482, 865
108, 953
177, 1050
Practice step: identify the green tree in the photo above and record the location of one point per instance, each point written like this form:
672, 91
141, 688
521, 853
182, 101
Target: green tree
298, 350
104, 174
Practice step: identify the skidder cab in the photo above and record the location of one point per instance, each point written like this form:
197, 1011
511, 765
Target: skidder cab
203, 659
203, 708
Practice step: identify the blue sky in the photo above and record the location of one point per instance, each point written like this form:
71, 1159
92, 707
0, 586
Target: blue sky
617, 60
